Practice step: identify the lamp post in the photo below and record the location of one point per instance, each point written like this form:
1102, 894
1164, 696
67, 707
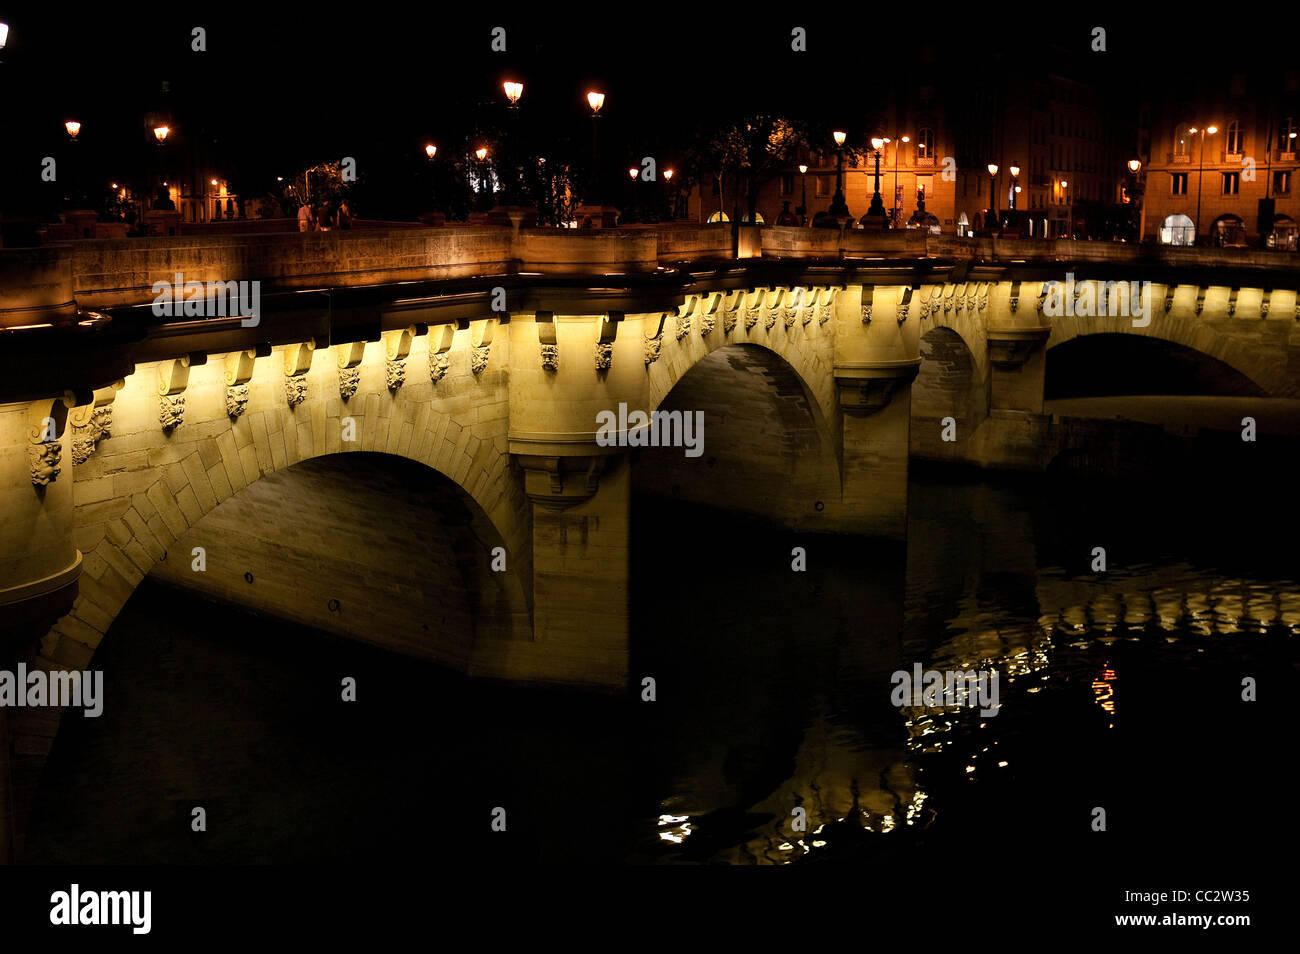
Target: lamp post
1200, 177
803, 192
672, 195
596, 101
993, 197
1069, 222
839, 208
481, 155
631, 191
876, 211
430, 150
898, 147
1139, 195
160, 134
514, 189
1015, 184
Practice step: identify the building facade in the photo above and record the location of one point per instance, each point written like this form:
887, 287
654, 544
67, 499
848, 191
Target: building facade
1221, 162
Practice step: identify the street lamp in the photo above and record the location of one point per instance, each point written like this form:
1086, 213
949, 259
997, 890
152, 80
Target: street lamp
993, 196
838, 206
513, 187
431, 150
1134, 167
1069, 228
876, 211
1015, 185
160, 133
595, 100
4, 35
803, 186
1200, 176
73, 127
898, 147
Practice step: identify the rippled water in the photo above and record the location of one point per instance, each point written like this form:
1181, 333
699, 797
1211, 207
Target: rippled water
1120, 690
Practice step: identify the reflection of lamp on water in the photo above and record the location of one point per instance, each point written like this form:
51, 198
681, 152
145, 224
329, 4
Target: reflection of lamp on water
1103, 688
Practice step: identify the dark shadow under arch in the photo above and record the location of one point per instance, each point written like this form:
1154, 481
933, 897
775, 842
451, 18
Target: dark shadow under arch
1104, 364
768, 451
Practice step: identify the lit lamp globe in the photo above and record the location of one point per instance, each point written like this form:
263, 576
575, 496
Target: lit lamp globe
160, 133
1134, 165
595, 101
839, 137
481, 152
877, 142
668, 174
1015, 172
430, 150
73, 127
993, 168
803, 169
632, 172
513, 91
4, 35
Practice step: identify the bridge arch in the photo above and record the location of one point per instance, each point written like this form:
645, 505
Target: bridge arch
767, 451
803, 337
143, 489
1210, 337
952, 382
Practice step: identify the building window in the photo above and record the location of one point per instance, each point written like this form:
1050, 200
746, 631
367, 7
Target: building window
1233, 139
1231, 183
925, 144
1286, 135
787, 184
1282, 182
823, 185
1177, 229
1179, 183
1183, 141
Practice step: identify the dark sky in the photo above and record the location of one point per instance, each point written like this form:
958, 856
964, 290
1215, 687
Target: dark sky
275, 91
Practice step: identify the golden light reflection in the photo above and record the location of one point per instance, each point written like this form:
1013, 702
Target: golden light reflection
680, 830
1103, 689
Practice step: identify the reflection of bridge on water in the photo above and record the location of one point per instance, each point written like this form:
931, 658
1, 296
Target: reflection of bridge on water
123, 434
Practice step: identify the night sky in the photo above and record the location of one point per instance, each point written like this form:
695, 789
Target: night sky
276, 92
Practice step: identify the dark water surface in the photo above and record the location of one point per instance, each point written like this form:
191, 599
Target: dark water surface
1120, 690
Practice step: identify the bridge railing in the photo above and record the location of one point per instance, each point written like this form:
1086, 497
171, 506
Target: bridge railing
112, 272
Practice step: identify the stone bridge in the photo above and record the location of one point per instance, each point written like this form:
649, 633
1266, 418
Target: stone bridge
134, 444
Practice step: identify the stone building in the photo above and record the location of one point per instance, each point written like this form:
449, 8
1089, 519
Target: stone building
1220, 159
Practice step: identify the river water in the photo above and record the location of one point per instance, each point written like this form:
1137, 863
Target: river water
1120, 690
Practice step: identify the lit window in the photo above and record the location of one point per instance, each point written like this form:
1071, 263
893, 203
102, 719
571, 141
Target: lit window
1234, 138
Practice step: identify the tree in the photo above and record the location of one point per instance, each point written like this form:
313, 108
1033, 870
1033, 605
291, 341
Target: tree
749, 152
